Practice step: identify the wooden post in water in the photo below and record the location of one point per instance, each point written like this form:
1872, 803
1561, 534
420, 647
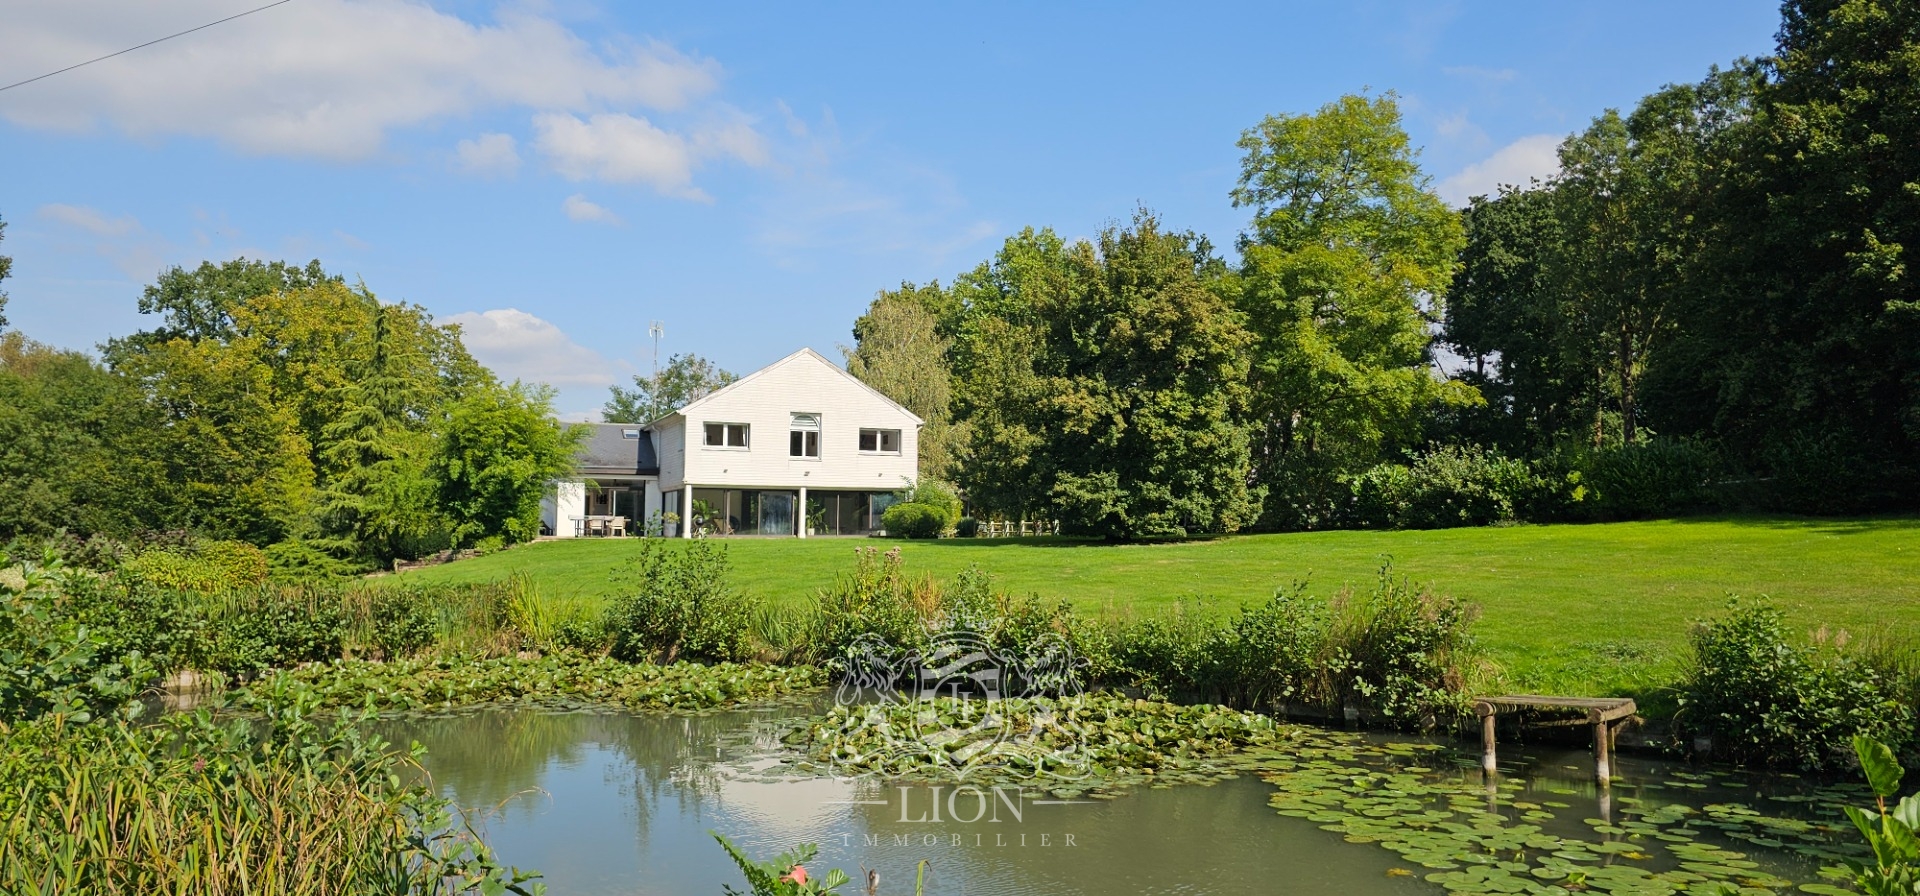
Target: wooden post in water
1602, 748
1488, 761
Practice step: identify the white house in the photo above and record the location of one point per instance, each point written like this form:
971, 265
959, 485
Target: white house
798, 447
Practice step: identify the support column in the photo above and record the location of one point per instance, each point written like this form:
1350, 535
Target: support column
1602, 749
686, 510
1488, 760
800, 515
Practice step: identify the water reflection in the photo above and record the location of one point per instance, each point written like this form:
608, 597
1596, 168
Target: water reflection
616, 803
610, 803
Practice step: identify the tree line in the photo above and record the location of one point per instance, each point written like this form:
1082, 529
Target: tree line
275, 404
1708, 306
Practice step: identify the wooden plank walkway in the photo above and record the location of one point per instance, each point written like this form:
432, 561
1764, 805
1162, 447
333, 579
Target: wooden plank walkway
1605, 714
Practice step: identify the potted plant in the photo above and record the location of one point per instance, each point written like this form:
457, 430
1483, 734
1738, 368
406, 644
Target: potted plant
816, 516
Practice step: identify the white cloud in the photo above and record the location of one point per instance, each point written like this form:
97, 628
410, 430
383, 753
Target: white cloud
320, 78
580, 208
1516, 163
518, 345
488, 155
615, 147
90, 220
122, 240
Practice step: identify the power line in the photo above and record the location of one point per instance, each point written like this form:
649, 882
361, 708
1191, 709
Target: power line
147, 44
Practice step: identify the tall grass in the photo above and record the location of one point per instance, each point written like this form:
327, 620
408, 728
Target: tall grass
193, 807
1399, 654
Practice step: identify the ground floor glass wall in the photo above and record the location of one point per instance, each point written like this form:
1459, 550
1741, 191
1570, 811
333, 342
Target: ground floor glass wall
731, 511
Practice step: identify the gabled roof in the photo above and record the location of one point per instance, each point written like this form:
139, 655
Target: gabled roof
805, 353
607, 450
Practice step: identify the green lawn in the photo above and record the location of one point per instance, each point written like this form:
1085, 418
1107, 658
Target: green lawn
1587, 609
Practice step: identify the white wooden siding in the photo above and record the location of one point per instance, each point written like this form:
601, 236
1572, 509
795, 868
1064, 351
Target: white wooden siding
766, 401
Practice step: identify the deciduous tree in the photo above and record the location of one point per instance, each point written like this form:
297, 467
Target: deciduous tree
684, 379
1342, 277
899, 350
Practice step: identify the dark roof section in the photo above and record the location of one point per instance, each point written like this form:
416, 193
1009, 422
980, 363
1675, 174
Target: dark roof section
622, 448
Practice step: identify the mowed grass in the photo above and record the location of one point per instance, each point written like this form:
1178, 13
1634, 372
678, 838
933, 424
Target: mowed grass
1572, 609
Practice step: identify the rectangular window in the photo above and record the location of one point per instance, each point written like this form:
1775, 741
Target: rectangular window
804, 440
880, 441
726, 435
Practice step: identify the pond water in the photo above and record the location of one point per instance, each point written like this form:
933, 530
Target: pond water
605, 803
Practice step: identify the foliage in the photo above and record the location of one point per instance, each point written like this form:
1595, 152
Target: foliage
1661, 477
1104, 383
1348, 257
684, 379
674, 601
499, 451
1445, 487
402, 624
966, 527
198, 565
299, 562
933, 493
1805, 325
563, 679
191, 805
782, 875
914, 520
62, 419
1398, 654
1766, 700
1062, 741
6, 268
879, 602
253, 630
1896, 848
51, 664
899, 350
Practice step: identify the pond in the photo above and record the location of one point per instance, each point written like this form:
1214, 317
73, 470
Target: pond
606, 803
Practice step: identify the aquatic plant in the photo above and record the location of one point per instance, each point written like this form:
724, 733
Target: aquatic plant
1095, 745
783, 875
566, 679
277, 807
1896, 849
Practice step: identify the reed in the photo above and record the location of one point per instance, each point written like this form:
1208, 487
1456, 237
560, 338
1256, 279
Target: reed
194, 807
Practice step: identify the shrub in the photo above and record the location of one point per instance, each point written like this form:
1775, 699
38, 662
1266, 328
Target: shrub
914, 521
1443, 488
878, 600
935, 494
967, 527
204, 566
257, 629
676, 603
1654, 478
403, 622
1400, 652
1766, 700
879, 606
50, 664
300, 563
1397, 653
1827, 475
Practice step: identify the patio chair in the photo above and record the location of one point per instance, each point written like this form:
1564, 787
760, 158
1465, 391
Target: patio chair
617, 527
596, 526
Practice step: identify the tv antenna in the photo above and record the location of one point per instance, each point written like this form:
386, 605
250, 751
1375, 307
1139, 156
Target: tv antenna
656, 330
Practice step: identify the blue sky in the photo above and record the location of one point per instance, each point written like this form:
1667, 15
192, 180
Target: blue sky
555, 175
